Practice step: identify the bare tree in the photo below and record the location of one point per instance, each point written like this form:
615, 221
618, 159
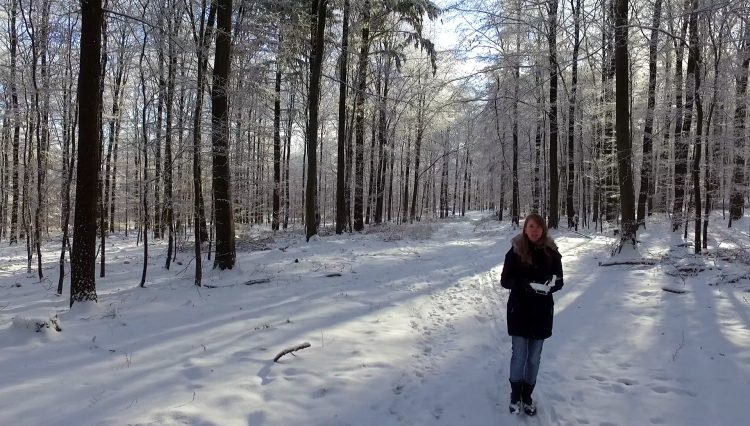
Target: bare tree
576, 9
341, 205
16, 121
554, 215
225, 248
694, 59
317, 33
648, 129
740, 140
83, 256
622, 124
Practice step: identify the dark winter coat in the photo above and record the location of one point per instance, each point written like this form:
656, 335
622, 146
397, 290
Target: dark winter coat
530, 313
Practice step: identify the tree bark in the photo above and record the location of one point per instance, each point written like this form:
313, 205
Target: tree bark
622, 124
382, 140
277, 141
341, 204
739, 188
83, 256
288, 145
680, 142
576, 7
225, 248
317, 33
172, 34
16, 122
417, 151
537, 203
202, 43
553, 218
695, 57
515, 203
69, 154
359, 124
144, 160
713, 160
648, 129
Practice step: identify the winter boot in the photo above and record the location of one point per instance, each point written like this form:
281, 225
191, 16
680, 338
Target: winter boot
515, 397
528, 404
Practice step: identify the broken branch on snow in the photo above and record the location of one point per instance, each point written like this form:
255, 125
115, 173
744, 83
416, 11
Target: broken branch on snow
629, 262
291, 350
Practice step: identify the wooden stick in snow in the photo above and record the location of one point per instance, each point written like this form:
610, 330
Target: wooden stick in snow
290, 350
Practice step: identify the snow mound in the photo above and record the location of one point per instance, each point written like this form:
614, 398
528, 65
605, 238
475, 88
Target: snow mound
37, 324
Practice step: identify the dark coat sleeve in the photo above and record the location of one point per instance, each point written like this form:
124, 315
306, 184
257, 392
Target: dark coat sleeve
511, 278
558, 271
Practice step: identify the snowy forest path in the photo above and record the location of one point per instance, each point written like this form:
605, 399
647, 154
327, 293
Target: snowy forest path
461, 332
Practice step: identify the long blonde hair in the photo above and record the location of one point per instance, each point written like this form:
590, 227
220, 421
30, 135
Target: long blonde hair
522, 245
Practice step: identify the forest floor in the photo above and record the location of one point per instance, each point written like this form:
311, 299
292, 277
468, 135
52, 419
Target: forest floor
406, 325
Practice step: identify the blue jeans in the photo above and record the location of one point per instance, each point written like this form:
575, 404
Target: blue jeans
524, 363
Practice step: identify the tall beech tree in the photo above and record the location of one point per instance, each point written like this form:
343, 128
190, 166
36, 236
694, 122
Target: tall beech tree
83, 255
341, 204
317, 33
554, 214
739, 186
646, 189
223, 209
622, 125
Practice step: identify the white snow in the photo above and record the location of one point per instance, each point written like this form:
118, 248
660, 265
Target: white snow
412, 332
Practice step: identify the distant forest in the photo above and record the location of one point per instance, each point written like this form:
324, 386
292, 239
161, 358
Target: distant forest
188, 122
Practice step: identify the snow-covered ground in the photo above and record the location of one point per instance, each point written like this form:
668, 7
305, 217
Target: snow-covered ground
409, 330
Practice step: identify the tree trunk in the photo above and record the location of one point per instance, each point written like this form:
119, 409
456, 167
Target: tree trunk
736, 202
372, 172
70, 121
144, 161
466, 180
317, 33
382, 141
277, 143
576, 7
16, 122
515, 203
417, 151
341, 204
712, 154
392, 156
83, 256
647, 167
553, 218
172, 34
288, 145
622, 124
5, 170
695, 58
680, 143
158, 205
100, 181
202, 42
405, 179
114, 127
537, 205
455, 187
359, 113
608, 149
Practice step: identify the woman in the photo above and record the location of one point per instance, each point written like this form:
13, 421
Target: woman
532, 272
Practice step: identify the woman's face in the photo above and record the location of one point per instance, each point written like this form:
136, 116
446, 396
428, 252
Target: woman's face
533, 231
